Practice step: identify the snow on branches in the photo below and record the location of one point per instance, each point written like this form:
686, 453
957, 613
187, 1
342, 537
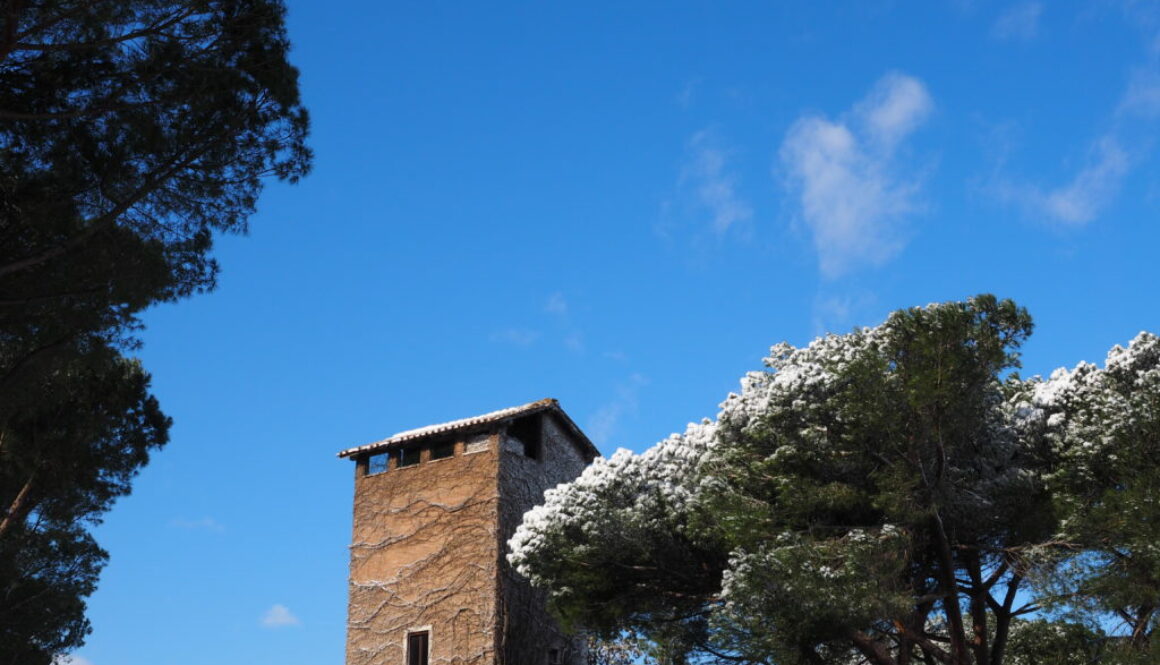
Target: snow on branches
865, 488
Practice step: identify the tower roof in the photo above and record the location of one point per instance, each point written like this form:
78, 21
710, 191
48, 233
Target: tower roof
482, 421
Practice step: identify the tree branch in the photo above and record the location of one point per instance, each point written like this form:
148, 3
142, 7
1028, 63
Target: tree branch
11, 20
154, 29
109, 217
1003, 618
19, 508
871, 648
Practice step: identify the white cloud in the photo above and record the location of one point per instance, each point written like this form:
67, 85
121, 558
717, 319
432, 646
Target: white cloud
203, 524
838, 312
964, 6
1081, 200
573, 337
516, 336
688, 92
830, 313
71, 659
1142, 98
1108, 162
604, 423
845, 176
1125, 143
1019, 23
895, 107
556, 304
706, 175
279, 616
1093, 187
574, 341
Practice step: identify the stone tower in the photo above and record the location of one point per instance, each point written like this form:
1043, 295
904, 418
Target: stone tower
434, 508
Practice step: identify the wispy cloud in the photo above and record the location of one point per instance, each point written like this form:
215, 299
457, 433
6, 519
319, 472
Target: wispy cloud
688, 92
1109, 159
556, 304
963, 6
831, 313
279, 616
203, 524
1142, 98
71, 659
845, 177
1084, 197
574, 341
1019, 22
572, 337
838, 312
706, 176
605, 422
1141, 14
516, 336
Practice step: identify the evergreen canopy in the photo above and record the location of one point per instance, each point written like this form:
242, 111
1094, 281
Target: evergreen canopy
893, 495
131, 131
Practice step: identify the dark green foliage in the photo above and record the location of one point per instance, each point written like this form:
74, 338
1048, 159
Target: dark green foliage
898, 479
1042, 642
70, 444
46, 573
131, 132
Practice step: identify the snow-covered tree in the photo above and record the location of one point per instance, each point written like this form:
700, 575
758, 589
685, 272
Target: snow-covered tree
877, 497
1102, 428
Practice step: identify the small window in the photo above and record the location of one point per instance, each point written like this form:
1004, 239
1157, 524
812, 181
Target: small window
477, 444
528, 432
409, 457
553, 657
442, 449
417, 648
377, 463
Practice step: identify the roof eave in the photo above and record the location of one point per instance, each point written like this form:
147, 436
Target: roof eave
482, 422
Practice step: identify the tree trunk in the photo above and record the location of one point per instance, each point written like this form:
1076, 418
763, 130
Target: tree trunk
950, 589
20, 507
978, 608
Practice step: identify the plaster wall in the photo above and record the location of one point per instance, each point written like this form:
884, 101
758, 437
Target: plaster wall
424, 556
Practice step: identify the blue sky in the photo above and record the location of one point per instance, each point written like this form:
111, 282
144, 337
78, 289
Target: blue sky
623, 208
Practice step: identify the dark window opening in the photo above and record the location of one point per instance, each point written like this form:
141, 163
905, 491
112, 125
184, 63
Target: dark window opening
442, 449
408, 457
417, 648
553, 657
528, 431
377, 463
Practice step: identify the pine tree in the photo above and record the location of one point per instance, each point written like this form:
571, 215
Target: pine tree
891, 496
131, 132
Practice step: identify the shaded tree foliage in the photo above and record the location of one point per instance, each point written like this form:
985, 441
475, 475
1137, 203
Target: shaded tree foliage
68, 448
131, 133
892, 496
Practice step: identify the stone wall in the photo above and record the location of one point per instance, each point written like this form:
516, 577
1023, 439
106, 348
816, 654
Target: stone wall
527, 631
424, 556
